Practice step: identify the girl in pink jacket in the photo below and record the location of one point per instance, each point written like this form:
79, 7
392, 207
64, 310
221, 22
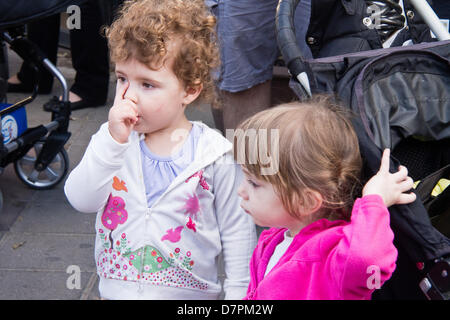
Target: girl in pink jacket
302, 165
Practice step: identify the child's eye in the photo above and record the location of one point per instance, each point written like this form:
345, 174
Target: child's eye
253, 184
147, 85
121, 79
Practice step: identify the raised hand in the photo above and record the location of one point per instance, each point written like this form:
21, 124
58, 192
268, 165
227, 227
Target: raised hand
123, 115
392, 187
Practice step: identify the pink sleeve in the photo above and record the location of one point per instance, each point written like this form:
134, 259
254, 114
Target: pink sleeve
365, 257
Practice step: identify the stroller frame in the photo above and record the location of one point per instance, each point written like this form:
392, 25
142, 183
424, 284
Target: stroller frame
47, 140
428, 269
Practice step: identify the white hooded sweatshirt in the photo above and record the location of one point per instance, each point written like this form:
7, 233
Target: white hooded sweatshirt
170, 250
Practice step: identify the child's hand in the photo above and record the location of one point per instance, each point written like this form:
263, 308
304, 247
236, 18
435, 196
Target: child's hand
122, 116
392, 187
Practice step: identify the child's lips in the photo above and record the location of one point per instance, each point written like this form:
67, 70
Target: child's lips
246, 211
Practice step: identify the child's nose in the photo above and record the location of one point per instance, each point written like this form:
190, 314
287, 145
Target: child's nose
242, 193
130, 93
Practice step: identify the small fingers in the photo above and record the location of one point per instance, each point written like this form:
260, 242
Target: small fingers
130, 103
385, 161
126, 104
125, 111
406, 198
401, 174
130, 114
406, 184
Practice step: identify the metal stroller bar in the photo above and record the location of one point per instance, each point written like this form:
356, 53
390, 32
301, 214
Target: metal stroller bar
53, 70
38, 132
45, 62
431, 19
47, 140
287, 43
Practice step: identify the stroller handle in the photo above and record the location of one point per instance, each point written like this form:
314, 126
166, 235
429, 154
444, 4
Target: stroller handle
28, 51
287, 42
431, 19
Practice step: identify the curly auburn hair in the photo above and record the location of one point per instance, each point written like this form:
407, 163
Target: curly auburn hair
317, 150
144, 28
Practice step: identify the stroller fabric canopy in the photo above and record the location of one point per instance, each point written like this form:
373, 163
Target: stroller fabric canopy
398, 92
18, 12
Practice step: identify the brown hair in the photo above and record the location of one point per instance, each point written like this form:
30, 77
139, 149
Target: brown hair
144, 27
317, 150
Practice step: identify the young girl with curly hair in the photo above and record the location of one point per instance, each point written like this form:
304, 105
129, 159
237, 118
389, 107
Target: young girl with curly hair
163, 187
322, 244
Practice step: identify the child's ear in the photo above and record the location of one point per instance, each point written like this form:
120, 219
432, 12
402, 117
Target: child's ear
192, 93
313, 201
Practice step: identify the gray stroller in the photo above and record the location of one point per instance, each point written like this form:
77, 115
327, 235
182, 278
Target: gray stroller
400, 95
37, 153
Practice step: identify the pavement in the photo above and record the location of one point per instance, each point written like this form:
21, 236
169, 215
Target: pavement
46, 246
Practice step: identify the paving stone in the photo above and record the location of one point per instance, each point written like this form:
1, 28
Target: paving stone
42, 285
24, 251
51, 216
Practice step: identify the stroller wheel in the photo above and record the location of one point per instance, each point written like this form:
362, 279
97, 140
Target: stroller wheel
45, 179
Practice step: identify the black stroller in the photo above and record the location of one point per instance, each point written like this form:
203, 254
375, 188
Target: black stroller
38, 153
401, 98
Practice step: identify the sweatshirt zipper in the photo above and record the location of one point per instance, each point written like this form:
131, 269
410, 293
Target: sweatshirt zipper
141, 271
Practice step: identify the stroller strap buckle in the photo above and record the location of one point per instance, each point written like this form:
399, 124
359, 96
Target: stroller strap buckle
436, 284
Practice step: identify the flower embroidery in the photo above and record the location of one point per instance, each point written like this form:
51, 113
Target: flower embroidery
113, 215
147, 263
192, 206
201, 180
191, 225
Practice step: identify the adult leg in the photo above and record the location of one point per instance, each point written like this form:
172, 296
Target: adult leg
45, 34
248, 50
238, 106
90, 57
246, 31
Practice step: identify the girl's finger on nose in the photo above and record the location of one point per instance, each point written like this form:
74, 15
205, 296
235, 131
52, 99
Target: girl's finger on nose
124, 91
120, 92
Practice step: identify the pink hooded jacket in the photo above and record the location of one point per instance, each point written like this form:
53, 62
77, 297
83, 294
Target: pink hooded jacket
328, 259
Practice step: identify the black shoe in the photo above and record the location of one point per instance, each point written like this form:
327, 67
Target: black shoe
82, 104
25, 88
54, 104
19, 87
